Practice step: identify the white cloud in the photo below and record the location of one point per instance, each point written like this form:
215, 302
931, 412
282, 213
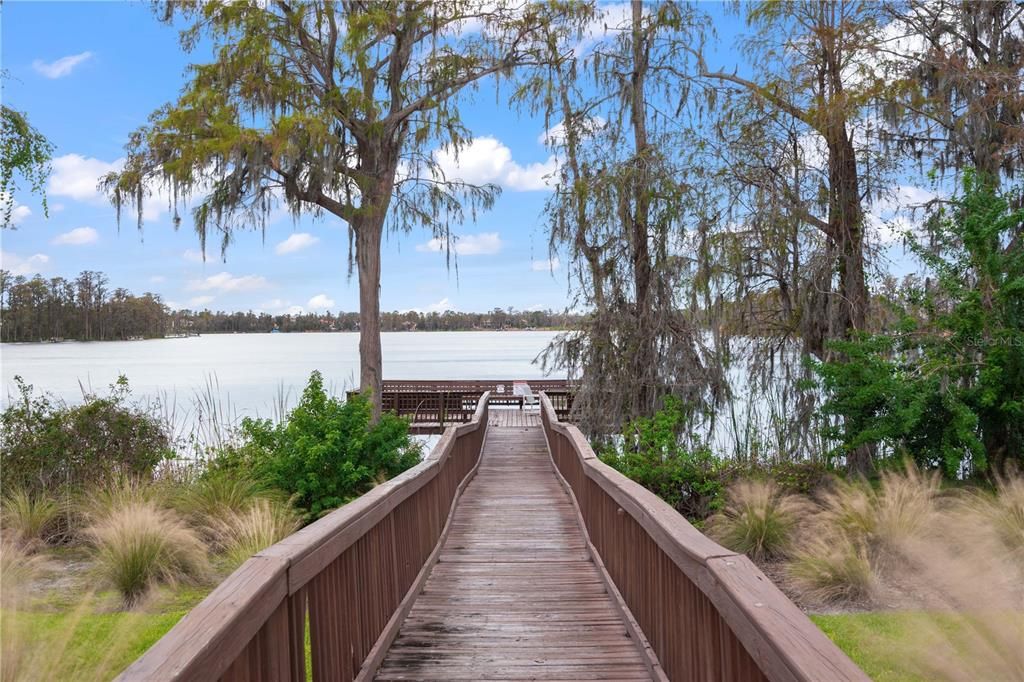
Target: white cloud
193, 256
225, 282
483, 244
320, 302
17, 265
157, 279
439, 307
76, 177
76, 237
61, 67
610, 17
487, 160
18, 211
556, 133
549, 265
296, 242
199, 301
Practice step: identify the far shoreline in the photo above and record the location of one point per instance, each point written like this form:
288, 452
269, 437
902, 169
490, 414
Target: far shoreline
302, 333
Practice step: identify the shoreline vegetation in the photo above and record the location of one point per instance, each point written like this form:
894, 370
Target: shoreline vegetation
87, 308
109, 537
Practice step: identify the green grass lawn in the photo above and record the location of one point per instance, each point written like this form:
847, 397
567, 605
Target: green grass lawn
77, 645
887, 644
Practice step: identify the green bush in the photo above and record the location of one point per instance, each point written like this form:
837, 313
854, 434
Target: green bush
46, 445
946, 387
325, 453
651, 453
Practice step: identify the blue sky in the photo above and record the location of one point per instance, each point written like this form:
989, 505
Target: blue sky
89, 73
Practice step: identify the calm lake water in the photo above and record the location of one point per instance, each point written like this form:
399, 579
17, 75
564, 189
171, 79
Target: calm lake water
251, 372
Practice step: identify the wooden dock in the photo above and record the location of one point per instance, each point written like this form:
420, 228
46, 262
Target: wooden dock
515, 593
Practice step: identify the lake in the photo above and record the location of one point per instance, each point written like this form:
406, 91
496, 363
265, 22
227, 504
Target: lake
251, 372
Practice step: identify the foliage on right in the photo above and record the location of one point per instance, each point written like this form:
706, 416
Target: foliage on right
946, 387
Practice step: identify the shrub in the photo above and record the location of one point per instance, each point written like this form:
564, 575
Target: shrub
689, 479
944, 388
240, 534
757, 520
46, 445
141, 544
325, 453
29, 519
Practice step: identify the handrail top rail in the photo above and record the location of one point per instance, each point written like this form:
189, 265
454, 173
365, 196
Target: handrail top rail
773, 629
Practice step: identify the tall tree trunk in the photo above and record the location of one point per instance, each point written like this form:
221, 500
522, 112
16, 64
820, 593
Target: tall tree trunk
368, 225
637, 229
845, 220
371, 364
849, 313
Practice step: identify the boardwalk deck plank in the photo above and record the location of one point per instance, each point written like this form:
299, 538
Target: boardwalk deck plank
514, 594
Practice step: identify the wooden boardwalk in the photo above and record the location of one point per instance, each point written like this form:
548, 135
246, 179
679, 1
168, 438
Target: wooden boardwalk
513, 417
515, 594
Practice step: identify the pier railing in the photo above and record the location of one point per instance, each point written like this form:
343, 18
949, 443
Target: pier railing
707, 613
351, 575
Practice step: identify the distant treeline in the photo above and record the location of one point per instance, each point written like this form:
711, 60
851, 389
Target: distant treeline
86, 308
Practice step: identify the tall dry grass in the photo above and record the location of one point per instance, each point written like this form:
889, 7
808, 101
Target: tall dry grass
29, 520
140, 544
240, 534
758, 520
970, 622
218, 493
952, 562
96, 504
858, 534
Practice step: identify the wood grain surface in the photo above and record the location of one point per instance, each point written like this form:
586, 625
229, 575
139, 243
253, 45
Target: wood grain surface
515, 594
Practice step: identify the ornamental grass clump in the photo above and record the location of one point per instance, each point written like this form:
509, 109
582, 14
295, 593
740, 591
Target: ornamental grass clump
859, 534
217, 493
239, 535
999, 514
29, 520
98, 503
758, 520
832, 569
141, 544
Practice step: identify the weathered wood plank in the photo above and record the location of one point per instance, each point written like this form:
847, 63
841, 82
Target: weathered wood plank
515, 594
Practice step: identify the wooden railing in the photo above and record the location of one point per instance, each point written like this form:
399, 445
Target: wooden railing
433, 404
351, 575
707, 613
